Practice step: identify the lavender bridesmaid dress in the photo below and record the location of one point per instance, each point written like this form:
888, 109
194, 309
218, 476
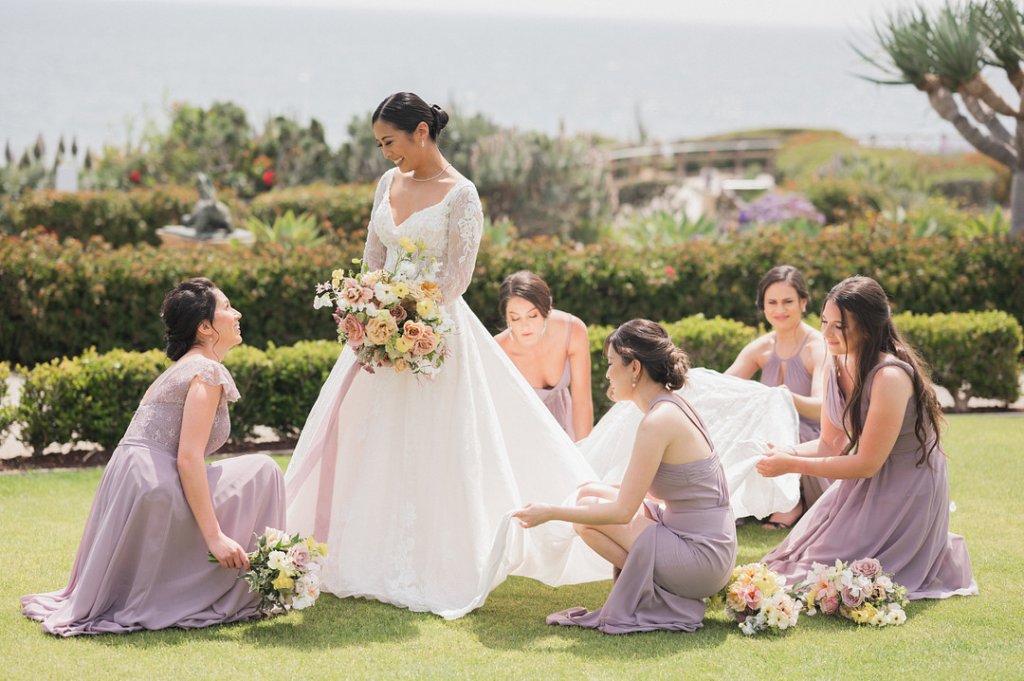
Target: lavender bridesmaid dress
557, 398
686, 556
142, 562
900, 515
799, 382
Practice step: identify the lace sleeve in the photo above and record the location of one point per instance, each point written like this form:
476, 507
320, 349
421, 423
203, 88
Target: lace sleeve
215, 373
375, 251
465, 226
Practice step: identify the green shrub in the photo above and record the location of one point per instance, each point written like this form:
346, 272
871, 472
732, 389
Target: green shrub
57, 299
710, 343
343, 209
118, 217
6, 412
299, 371
843, 200
970, 354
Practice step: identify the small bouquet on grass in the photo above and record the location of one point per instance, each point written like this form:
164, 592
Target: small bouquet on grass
391, 318
284, 570
757, 598
857, 591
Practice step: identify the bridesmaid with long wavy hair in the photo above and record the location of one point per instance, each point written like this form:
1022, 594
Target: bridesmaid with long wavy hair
880, 441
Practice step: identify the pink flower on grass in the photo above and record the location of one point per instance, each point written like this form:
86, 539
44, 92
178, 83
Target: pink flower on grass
829, 604
752, 596
299, 555
852, 597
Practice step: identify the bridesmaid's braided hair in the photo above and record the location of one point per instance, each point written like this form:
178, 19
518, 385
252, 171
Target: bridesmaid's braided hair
649, 343
406, 111
863, 299
185, 307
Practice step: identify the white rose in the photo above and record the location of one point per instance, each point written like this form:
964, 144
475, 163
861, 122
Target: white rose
278, 560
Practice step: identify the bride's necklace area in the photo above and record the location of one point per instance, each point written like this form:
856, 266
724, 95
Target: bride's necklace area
432, 177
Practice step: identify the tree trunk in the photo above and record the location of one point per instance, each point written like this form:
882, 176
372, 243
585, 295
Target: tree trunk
1017, 203
942, 101
987, 117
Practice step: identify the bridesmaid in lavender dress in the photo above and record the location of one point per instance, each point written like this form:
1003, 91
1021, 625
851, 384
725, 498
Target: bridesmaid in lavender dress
142, 562
667, 529
792, 355
880, 441
537, 339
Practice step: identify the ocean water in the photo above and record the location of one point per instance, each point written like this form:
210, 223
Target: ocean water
99, 70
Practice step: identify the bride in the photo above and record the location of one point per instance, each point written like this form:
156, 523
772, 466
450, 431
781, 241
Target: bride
410, 481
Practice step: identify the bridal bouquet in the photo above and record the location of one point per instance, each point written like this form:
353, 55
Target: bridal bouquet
391, 318
857, 591
757, 598
284, 570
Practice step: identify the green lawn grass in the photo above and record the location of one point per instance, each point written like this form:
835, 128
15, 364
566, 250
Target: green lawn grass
43, 514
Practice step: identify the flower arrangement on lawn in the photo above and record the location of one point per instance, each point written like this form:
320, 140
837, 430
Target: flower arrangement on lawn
284, 570
391, 318
757, 599
859, 591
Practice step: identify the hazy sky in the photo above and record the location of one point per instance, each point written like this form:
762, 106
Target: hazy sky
835, 13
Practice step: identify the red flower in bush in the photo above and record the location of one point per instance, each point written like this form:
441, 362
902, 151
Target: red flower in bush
670, 271
135, 176
268, 178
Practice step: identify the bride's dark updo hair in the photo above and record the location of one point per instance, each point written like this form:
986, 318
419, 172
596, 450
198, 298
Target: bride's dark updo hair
648, 343
184, 309
405, 111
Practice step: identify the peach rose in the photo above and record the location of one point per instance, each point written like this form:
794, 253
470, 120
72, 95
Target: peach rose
352, 292
425, 343
431, 290
414, 330
380, 328
400, 364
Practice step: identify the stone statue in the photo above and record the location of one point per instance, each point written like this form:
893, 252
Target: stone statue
209, 222
209, 217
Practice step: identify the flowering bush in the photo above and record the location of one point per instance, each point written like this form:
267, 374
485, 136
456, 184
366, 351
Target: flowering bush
757, 599
779, 208
857, 591
284, 570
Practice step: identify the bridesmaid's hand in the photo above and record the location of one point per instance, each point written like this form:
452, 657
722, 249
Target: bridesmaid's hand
228, 552
533, 515
775, 463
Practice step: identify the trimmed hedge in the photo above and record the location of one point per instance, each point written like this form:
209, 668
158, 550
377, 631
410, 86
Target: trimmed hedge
343, 209
58, 299
6, 412
92, 398
970, 354
117, 217
132, 217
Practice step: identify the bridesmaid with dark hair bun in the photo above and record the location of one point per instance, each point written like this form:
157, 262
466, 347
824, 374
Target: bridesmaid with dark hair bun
880, 442
142, 562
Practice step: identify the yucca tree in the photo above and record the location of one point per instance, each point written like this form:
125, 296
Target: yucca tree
942, 53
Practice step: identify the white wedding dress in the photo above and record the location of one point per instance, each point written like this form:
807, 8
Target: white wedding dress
742, 417
412, 481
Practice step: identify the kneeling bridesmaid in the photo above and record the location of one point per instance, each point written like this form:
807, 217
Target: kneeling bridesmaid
667, 529
880, 441
142, 562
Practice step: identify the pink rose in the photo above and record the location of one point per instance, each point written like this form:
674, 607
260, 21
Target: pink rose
852, 598
867, 567
366, 294
399, 313
299, 555
425, 343
352, 292
829, 604
354, 329
752, 596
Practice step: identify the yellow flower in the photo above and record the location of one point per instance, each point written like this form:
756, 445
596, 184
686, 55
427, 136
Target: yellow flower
283, 581
407, 244
400, 289
322, 549
426, 308
403, 344
766, 584
336, 277
431, 290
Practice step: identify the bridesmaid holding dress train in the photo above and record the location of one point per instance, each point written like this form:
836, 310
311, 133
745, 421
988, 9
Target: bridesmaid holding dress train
142, 562
880, 441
